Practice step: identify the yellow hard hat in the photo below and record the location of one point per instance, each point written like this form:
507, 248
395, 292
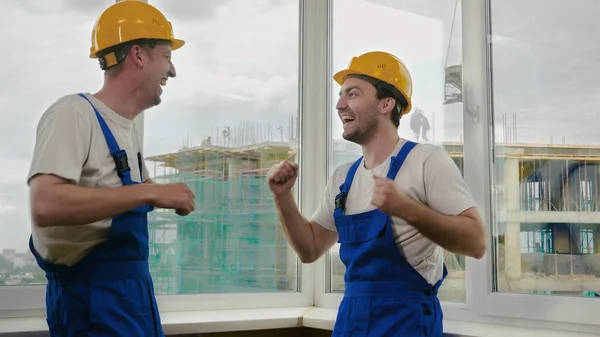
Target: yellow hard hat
127, 21
384, 67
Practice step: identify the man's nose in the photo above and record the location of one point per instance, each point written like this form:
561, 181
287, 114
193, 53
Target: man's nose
342, 103
172, 71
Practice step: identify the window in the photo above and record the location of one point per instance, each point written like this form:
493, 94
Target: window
546, 162
229, 115
427, 37
43, 69
537, 157
510, 93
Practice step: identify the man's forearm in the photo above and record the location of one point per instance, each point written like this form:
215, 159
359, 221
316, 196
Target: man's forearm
70, 205
456, 233
297, 228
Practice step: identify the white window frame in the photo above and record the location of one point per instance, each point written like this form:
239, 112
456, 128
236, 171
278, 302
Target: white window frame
544, 310
312, 136
323, 297
29, 301
482, 304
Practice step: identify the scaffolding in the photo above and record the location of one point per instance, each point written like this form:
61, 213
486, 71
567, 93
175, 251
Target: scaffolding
232, 242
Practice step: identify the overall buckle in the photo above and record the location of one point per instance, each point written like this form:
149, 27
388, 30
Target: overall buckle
340, 201
121, 162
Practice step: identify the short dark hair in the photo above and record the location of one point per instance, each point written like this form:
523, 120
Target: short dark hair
386, 90
400, 105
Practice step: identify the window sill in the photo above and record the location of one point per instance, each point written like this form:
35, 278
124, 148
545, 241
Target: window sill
193, 322
186, 322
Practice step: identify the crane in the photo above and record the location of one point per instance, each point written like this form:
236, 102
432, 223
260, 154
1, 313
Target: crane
453, 73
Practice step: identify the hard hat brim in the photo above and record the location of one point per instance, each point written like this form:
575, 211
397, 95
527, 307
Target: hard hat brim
340, 76
176, 44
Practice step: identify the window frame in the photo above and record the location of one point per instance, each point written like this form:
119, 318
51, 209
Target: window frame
323, 297
481, 298
309, 111
482, 304
29, 301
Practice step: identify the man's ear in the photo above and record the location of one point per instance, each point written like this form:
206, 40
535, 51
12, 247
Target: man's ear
387, 105
138, 55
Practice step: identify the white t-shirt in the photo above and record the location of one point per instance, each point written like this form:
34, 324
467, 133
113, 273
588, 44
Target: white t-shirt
428, 175
70, 144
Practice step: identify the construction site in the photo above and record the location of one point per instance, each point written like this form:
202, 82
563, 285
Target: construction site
232, 242
547, 220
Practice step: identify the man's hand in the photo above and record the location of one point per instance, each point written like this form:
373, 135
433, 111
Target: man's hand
461, 234
388, 197
174, 196
282, 177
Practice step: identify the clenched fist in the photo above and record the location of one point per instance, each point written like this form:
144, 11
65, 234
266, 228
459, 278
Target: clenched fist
174, 196
387, 196
282, 177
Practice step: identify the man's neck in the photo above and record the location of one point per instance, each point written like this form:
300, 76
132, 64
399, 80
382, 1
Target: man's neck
378, 149
121, 101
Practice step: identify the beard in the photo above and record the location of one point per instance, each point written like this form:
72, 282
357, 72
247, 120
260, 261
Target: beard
157, 100
364, 132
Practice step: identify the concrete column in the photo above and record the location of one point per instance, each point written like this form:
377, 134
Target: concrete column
512, 236
234, 168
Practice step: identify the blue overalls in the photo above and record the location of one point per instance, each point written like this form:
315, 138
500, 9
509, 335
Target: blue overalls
384, 294
110, 291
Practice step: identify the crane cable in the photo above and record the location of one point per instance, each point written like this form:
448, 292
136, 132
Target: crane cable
451, 32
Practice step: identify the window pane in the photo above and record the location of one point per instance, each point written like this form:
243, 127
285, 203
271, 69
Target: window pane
228, 116
230, 113
426, 36
546, 173
38, 70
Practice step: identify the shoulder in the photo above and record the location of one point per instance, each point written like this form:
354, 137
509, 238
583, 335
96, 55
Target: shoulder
424, 152
428, 155
436, 157
339, 176
340, 172
70, 101
70, 106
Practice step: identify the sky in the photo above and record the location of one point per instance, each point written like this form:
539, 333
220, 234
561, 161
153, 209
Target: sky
237, 68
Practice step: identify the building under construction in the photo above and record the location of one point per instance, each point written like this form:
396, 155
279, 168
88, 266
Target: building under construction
547, 216
232, 242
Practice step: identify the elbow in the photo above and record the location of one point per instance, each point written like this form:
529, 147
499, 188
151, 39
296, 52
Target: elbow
43, 208
479, 251
480, 246
43, 200
307, 258
41, 214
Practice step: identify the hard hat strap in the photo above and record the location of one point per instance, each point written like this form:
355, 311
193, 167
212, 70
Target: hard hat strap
115, 55
113, 58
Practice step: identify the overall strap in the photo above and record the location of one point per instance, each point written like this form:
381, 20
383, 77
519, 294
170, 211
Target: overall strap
397, 161
119, 156
395, 164
340, 199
